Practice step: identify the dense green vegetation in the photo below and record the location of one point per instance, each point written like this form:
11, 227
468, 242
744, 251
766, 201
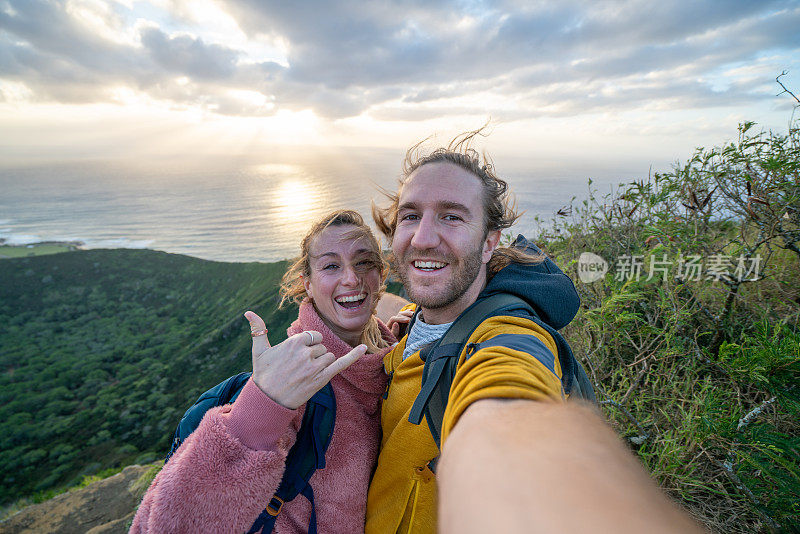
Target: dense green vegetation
102, 350
699, 367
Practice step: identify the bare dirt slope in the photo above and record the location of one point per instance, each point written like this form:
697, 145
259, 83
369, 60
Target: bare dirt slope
106, 507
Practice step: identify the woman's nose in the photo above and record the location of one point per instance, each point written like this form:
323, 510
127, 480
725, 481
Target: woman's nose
349, 277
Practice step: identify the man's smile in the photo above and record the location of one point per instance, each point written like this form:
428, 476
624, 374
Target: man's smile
429, 266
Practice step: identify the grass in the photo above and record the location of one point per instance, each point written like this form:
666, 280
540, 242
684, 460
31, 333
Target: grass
138, 488
42, 496
37, 249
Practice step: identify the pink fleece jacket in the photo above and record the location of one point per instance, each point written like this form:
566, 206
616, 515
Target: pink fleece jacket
226, 471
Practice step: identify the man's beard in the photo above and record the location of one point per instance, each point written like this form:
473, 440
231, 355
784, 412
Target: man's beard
464, 274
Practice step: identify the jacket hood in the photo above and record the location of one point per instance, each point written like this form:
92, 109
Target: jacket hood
544, 286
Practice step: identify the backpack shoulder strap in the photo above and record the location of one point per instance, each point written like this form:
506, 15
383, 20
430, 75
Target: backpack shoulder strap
441, 359
304, 458
223, 393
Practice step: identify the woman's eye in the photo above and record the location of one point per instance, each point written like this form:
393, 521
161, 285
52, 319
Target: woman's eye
330, 266
409, 217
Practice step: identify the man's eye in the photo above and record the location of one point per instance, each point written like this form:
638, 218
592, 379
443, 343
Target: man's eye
452, 217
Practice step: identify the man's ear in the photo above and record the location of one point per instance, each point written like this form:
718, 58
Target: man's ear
489, 244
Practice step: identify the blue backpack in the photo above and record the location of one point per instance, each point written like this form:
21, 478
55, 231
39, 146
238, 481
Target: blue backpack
304, 458
441, 360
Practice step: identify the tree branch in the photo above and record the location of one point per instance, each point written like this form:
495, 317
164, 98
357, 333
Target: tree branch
637, 440
755, 412
785, 90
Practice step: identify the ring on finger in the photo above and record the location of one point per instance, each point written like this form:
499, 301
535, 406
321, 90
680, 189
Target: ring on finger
256, 333
311, 337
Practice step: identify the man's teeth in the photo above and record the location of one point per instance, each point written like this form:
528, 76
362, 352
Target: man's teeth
354, 298
429, 264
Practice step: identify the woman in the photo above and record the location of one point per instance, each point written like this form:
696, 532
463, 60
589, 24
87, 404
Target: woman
223, 475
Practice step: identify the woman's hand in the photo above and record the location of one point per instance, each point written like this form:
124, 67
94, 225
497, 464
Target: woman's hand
292, 371
402, 318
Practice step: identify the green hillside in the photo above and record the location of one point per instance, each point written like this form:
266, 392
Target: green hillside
102, 350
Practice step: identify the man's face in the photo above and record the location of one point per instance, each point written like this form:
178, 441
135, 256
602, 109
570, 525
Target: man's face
439, 243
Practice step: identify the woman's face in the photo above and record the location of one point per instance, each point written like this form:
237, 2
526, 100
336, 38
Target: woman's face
344, 281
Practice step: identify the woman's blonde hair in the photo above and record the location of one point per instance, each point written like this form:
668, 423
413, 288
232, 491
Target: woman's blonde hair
293, 289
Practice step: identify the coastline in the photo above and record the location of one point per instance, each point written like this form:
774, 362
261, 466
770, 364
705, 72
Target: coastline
43, 248
37, 249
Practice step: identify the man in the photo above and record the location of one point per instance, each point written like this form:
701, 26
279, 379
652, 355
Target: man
444, 224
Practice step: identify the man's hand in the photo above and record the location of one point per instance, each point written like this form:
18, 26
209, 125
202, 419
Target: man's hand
291, 372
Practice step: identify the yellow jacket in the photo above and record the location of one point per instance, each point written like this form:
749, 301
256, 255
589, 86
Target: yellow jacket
402, 494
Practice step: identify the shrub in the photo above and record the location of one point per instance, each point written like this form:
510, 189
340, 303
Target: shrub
694, 353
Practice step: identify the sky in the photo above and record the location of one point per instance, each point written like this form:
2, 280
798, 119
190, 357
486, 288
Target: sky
562, 83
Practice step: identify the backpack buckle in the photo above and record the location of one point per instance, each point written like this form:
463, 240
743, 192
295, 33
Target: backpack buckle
274, 506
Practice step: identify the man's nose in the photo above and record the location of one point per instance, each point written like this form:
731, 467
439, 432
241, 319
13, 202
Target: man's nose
425, 234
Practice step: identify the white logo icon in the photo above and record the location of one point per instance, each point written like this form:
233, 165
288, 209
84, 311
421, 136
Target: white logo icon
591, 267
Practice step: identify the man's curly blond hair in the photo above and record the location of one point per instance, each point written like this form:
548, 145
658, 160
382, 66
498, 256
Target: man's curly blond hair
498, 203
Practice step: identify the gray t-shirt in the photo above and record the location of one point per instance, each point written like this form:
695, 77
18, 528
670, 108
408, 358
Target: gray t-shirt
421, 334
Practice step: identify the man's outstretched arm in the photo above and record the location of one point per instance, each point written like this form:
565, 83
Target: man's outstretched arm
528, 466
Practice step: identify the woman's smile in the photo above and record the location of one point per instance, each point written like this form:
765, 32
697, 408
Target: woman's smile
344, 281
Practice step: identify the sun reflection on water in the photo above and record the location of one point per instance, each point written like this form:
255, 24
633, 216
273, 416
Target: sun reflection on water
298, 200
294, 199
284, 200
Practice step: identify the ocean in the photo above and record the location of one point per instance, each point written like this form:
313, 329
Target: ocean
237, 209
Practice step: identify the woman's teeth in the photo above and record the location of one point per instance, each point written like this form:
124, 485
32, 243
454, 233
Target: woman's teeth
351, 301
429, 265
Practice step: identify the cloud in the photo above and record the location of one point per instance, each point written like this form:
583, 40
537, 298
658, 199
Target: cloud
406, 60
188, 56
